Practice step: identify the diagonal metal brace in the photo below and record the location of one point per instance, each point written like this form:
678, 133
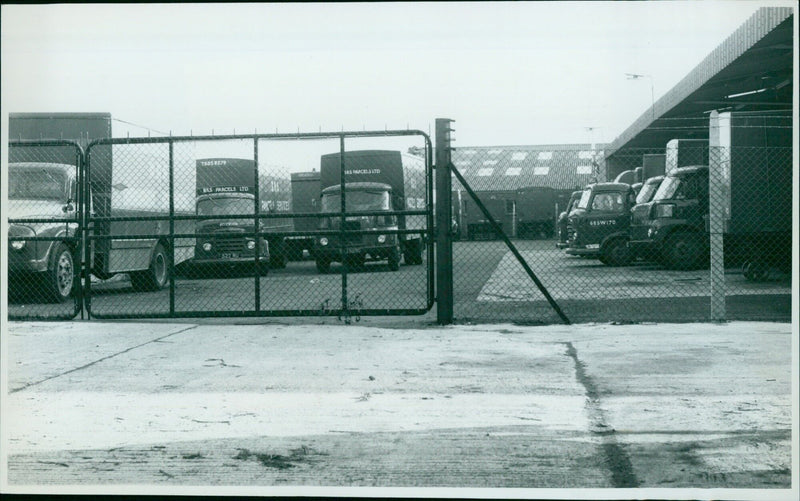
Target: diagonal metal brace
508, 242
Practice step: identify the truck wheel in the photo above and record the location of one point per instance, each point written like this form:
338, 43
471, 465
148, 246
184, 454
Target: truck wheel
156, 276
394, 259
755, 271
323, 265
616, 253
413, 253
278, 261
60, 275
682, 251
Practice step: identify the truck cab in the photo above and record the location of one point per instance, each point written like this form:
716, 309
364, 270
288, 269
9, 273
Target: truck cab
360, 197
598, 225
672, 226
562, 219
224, 240
39, 190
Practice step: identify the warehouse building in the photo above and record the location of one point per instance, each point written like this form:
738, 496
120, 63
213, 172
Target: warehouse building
523, 187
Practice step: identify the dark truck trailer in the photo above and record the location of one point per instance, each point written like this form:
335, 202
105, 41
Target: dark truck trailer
598, 225
501, 205
145, 260
226, 187
305, 198
753, 152
535, 212
375, 181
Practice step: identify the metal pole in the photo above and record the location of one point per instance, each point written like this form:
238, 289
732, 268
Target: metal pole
444, 241
717, 157
342, 199
257, 224
172, 228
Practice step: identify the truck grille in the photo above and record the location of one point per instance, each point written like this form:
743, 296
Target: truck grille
570, 232
350, 239
639, 214
229, 244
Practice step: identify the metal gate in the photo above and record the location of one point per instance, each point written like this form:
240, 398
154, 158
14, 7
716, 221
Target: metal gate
236, 226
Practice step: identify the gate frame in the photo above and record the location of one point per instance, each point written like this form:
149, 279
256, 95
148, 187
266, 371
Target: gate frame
345, 311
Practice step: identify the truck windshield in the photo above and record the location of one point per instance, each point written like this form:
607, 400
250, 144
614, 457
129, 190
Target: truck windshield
39, 184
585, 197
356, 201
668, 188
646, 193
224, 206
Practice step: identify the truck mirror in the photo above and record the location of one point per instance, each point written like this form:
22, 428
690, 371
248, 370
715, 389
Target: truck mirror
68, 207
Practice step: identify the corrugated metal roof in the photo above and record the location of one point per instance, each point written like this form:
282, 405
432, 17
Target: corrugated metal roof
508, 168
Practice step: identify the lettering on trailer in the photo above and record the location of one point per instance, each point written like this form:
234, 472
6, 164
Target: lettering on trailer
213, 162
349, 172
223, 189
604, 222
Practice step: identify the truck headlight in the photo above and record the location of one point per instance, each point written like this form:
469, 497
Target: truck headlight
251, 244
323, 241
18, 245
665, 210
381, 239
207, 246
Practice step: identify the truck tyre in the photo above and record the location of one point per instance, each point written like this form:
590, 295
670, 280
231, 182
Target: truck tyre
616, 253
323, 264
413, 252
60, 275
682, 251
394, 259
755, 271
156, 276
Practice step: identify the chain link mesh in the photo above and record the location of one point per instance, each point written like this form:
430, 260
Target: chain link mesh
568, 195
691, 232
225, 263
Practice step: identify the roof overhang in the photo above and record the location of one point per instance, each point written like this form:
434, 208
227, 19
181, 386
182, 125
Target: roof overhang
750, 71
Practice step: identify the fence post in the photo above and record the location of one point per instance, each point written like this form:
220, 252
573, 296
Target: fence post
443, 208
717, 158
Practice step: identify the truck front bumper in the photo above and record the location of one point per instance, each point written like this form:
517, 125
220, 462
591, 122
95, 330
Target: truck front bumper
583, 250
367, 253
25, 261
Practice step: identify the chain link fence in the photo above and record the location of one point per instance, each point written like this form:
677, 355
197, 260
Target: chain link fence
333, 224
657, 242
261, 225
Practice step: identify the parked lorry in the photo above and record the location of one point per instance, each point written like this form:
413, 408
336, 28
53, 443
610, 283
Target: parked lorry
535, 212
375, 182
44, 185
305, 199
562, 219
753, 151
501, 205
226, 187
598, 225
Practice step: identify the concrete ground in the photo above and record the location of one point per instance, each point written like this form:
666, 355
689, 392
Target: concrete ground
493, 409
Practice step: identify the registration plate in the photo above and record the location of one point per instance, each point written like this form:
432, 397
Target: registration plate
229, 255
593, 246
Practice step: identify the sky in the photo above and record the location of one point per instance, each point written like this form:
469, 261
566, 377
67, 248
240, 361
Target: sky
508, 73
